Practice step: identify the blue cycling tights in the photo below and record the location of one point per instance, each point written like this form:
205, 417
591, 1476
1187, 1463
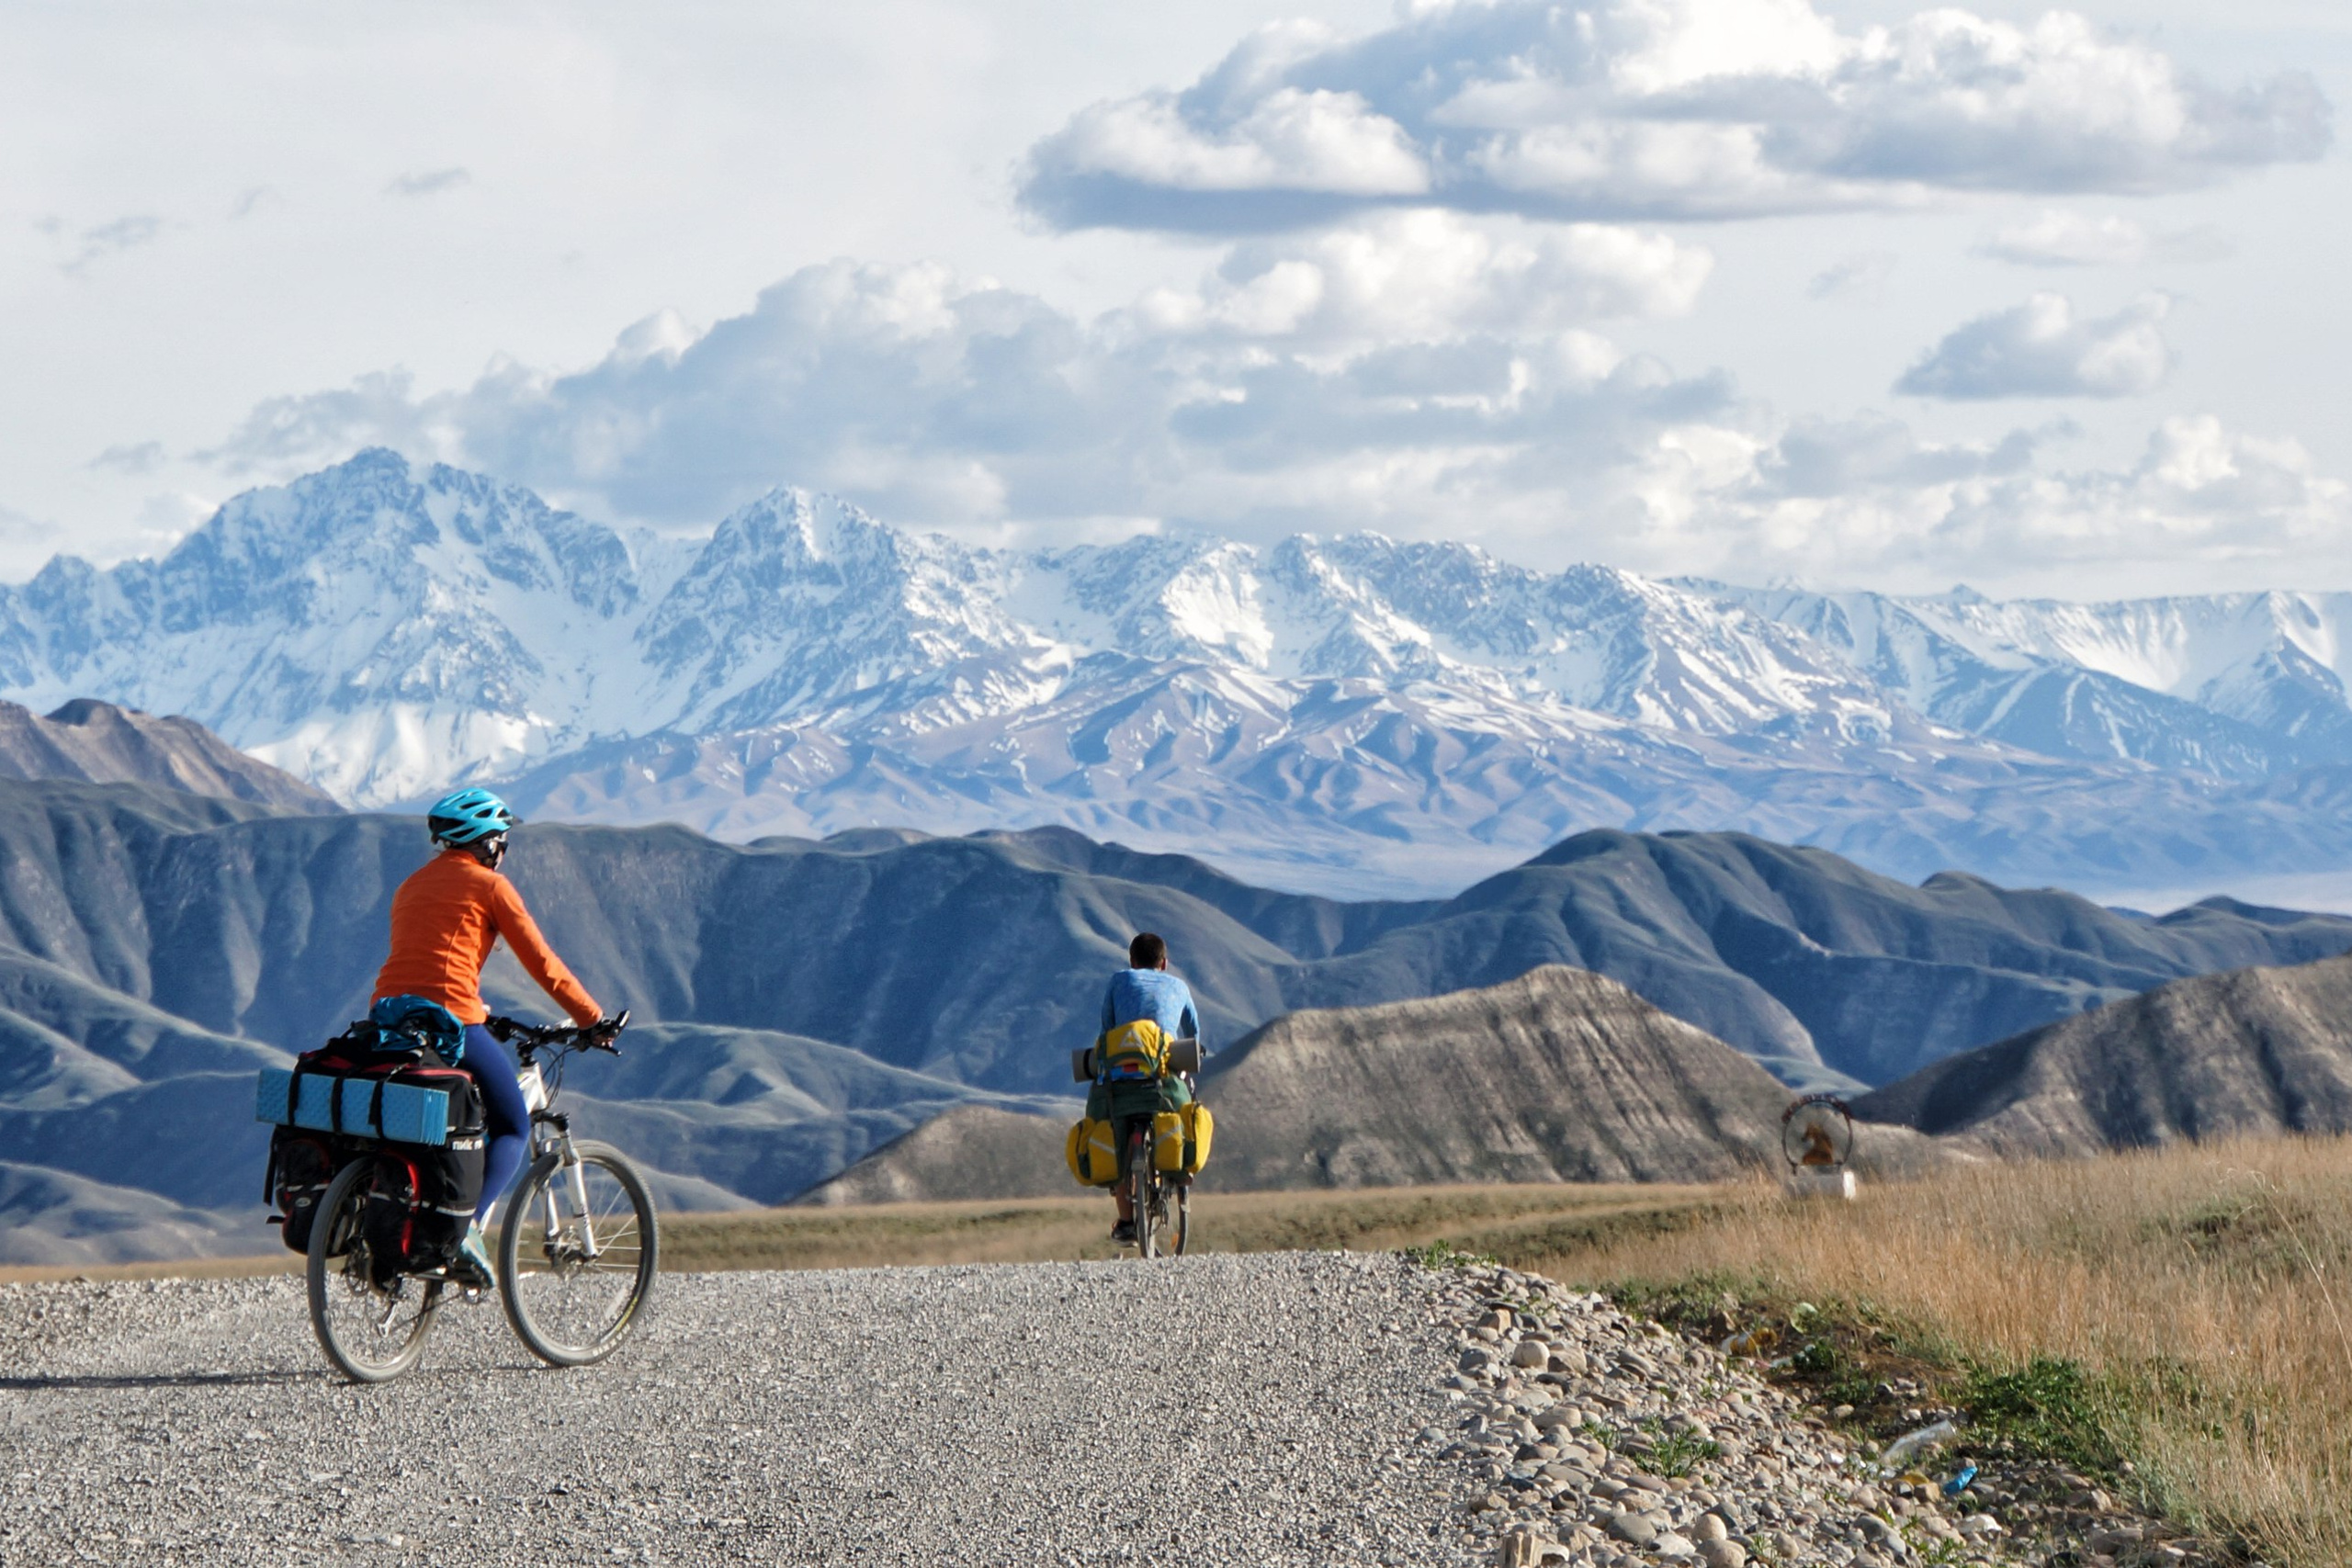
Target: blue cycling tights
506, 1121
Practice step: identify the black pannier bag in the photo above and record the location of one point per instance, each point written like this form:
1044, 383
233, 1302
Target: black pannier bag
423, 1195
420, 1204
301, 1163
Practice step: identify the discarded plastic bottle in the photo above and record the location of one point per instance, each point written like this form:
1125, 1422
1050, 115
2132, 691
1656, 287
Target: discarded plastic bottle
1959, 1483
1911, 1443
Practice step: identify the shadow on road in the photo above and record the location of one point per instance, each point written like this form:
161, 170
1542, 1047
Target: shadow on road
156, 1379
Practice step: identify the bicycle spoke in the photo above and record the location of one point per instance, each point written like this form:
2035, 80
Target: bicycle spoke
372, 1330
578, 1270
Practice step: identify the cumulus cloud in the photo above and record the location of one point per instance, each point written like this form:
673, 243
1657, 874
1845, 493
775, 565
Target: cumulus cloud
1272, 389
2203, 505
428, 182
942, 402
2061, 238
1431, 274
1657, 110
286, 433
2042, 349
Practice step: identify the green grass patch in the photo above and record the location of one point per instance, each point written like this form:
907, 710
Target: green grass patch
1844, 1353
1445, 1255
2046, 1409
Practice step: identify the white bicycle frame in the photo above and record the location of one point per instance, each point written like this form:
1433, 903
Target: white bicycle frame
534, 1097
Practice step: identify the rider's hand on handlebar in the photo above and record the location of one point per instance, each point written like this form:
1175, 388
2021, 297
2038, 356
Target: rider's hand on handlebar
600, 1034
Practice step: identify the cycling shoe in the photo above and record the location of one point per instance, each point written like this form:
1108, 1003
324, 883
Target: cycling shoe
1124, 1231
473, 1257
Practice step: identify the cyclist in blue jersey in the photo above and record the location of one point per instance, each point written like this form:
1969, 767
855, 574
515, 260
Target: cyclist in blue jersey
1144, 989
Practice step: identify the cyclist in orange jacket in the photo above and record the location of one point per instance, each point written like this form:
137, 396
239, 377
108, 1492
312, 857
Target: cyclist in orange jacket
446, 918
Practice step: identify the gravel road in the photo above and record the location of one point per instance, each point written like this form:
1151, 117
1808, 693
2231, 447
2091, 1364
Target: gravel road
1268, 1409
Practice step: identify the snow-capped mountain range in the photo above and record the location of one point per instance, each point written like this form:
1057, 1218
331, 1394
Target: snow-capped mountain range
1350, 711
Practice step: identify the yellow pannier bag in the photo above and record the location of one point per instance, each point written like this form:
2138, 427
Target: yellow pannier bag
1179, 1139
1093, 1150
1199, 1128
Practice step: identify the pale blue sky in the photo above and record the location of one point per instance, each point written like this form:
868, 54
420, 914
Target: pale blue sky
234, 245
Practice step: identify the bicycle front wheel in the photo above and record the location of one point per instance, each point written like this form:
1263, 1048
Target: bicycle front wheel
577, 1254
372, 1331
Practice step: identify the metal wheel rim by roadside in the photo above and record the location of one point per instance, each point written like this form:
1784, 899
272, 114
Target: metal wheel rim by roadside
371, 1335
570, 1308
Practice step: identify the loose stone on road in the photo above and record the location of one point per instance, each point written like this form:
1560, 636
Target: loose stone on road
1208, 1409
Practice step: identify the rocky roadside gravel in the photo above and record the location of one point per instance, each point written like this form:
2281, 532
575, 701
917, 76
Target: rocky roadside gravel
1273, 1409
1592, 1438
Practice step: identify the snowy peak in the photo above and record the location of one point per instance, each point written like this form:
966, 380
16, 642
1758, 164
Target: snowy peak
802, 604
383, 628
2239, 686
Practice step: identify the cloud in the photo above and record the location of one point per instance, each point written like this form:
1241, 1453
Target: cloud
1862, 276
1657, 110
251, 199
2203, 508
144, 458
283, 434
942, 402
2068, 239
1429, 274
21, 527
165, 519
2042, 349
1824, 458
429, 182
127, 234
2059, 238
947, 401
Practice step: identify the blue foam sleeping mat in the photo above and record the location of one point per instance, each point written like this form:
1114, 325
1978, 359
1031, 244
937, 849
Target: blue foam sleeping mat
406, 1114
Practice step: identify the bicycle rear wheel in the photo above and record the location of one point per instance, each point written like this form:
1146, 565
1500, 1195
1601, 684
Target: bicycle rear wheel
372, 1332
1180, 1222
577, 1255
1139, 1191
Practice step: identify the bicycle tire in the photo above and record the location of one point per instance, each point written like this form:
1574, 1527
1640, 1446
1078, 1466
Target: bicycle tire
350, 1292
536, 1286
1139, 1188
1183, 1219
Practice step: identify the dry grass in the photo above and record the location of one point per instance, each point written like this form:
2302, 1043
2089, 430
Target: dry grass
1481, 1219
278, 1262
2204, 1286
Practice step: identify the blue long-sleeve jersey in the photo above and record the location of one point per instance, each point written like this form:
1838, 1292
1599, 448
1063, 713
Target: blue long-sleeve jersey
1154, 994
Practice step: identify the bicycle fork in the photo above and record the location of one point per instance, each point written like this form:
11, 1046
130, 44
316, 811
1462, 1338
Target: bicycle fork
573, 1180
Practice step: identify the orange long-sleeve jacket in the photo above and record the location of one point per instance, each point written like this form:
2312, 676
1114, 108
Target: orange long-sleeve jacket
446, 919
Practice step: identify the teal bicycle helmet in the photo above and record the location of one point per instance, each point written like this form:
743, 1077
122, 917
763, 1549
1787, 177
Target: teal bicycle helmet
468, 816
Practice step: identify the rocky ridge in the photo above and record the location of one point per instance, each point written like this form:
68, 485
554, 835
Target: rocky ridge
1595, 1439
2249, 1053
96, 742
1559, 1075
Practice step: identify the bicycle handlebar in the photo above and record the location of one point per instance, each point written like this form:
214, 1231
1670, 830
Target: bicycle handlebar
596, 1036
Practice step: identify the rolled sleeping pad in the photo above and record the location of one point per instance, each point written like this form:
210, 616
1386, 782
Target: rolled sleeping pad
1185, 1056
1082, 1065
